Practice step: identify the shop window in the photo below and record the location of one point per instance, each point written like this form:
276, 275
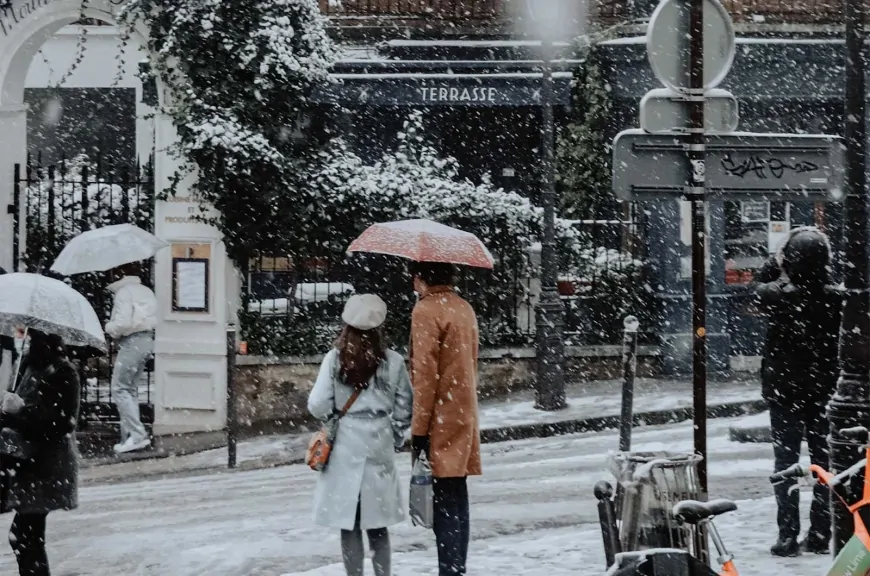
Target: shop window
753, 230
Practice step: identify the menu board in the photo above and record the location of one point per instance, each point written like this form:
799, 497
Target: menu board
190, 284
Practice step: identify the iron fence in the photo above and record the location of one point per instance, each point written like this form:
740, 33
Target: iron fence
605, 281
55, 203
292, 306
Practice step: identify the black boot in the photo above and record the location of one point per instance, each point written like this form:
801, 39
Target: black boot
786, 547
816, 544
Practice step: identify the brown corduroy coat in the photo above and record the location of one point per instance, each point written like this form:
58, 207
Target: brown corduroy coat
444, 345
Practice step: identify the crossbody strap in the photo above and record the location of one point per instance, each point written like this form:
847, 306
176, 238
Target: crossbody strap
350, 401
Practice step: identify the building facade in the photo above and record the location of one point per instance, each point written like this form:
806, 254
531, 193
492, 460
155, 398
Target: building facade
477, 78
787, 77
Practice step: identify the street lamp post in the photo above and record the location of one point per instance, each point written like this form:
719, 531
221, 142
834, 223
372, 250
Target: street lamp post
550, 312
549, 20
850, 406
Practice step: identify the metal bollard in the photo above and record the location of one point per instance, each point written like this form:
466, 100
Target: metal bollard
629, 370
232, 417
607, 521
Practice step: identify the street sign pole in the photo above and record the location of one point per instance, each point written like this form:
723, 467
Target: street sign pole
849, 407
674, 157
697, 158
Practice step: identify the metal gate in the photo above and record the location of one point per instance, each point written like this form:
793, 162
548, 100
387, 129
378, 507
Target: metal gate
54, 203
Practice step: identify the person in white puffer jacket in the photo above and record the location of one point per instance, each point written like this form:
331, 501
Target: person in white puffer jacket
132, 324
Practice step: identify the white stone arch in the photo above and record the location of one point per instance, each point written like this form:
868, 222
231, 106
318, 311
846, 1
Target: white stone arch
190, 367
20, 42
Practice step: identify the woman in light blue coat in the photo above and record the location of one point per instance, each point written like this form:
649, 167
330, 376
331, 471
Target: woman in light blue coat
359, 489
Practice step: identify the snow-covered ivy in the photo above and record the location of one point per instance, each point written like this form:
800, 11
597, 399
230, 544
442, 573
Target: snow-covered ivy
584, 150
239, 74
411, 181
414, 181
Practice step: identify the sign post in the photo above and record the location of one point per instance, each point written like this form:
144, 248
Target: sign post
697, 160
849, 407
691, 46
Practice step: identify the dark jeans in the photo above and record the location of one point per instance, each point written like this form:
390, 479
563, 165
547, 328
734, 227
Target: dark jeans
788, 423
452, 524
27, 538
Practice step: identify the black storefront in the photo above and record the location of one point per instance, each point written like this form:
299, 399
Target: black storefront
785, 85
481, 103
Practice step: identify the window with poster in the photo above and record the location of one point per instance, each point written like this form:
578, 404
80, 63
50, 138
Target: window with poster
753, 230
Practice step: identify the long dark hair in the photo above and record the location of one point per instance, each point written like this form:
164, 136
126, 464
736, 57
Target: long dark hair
360, 353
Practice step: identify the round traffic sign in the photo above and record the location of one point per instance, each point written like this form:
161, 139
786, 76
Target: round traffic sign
668, 48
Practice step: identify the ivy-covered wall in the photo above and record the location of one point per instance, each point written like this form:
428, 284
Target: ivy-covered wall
584, 151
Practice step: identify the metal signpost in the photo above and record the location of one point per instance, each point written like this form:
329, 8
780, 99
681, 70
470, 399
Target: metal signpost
739, 166
688, 150
664, 111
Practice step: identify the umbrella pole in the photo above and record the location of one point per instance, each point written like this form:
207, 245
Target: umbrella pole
11, 384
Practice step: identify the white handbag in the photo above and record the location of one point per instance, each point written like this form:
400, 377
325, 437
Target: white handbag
420, 505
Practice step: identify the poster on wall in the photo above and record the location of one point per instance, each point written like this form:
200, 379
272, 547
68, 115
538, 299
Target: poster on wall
686, 238
776, 235
190, 285
190, 277
755, 211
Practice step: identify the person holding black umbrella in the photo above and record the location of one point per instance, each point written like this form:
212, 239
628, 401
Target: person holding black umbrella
39, 464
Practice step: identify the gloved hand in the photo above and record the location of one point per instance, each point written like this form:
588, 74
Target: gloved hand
420, 445
12, 403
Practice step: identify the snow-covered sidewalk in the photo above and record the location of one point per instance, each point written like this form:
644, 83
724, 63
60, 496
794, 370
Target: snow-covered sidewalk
258, 523
604, 398
586, 401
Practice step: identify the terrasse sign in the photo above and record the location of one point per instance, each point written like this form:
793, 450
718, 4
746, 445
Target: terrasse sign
470, 90
454, 94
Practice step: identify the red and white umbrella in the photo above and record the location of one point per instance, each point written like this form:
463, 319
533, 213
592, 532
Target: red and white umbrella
424, 241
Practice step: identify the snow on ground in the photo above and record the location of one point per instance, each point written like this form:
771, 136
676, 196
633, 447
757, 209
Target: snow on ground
652, 399
578, 551
759, 420
537, 492
586, 400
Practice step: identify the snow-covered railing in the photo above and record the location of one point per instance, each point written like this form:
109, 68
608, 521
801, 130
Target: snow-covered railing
742, 11
304, 294
463, 11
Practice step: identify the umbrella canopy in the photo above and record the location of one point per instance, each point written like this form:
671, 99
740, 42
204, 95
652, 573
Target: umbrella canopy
50, 306
424, 241
106, 248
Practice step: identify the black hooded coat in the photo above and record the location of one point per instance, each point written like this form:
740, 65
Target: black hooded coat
803, 311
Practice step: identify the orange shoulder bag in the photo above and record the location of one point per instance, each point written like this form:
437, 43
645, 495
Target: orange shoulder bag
320, 446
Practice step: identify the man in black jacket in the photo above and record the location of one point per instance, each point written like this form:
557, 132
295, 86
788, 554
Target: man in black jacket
800, 366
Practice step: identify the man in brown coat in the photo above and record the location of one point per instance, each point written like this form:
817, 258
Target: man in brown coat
444, 343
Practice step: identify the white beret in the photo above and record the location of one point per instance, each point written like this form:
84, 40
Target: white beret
364, 311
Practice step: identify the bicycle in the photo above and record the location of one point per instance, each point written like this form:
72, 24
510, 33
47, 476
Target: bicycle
666, 562
853, 559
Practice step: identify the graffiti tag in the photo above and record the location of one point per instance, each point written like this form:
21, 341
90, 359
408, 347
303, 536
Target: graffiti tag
765, 167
